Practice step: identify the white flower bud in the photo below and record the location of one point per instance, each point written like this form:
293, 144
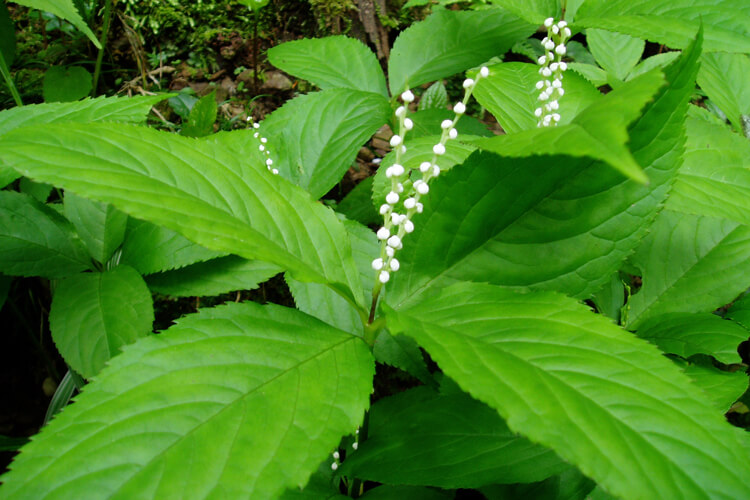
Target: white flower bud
435, 171
383, 233
256, 135
446, 124
459, 108
555, 30
545, 39
468, 83
547, 120
538, 112
409, 203
562, 24
423, 188
453, 133
560, 50
399, 188
408, 226
392, 198
553, 105
389, 251
546, 72
408, 124
400, 111
484, 72
384, 208
395, 265
395, 140
377, 264
561, 92
275, 171
383, 277
403, 149
389, 172
263, 140
566, 32
539, 84
556, 83
248, 118
543, 96
549, 45
262, 147
355, 445
556, 117
542, 60
269, 162
553, 66
336, 455
376, 161
424, 166
548, 22
563, 66
395, 219
438, 149
256, 125
394, 241
407, 96
334, 466
398, 170
420, 207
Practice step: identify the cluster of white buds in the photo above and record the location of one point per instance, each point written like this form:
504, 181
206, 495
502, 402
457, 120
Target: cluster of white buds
263, 147
398, 223
336, 460
552, 68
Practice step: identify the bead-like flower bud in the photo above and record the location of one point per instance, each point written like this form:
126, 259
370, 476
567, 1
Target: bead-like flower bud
398, 170
549, 45
395, 265
408, 124
383, 233
384, 208
407, 96
377, 264
468, 83
422, 188
383, 277
484, 72
420, 207
336, 455
446, 124
400, 111
389, 251
453, 133
538, 112
408, 226
395, 140
438, 149
540, 85
560, 50
548, 22
410, 203
435, 171
394, 242
392, 198
334, 466
459, 108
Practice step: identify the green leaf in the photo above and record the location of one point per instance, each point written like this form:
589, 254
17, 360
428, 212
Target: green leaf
8, 443
435, 97
195, 188
315, 138
721, 387
7, 36
242, 401
200, 122
687, 334
570, 485
714, 179
94, 314
533, 11
213, 277
64, 9
402, 352
593, 74
357, 205
674, 23
37, 241
421, 438
100, 225
65, 84
571, 380
61, 397
724, 78
600, 131
509, 94
254, 5
151, 249
36, 190
657, 61
320, 487
556, 223
616, 53
450, 41
610, 298
740, 312
386, 492
689, 264
332, 62
427, 123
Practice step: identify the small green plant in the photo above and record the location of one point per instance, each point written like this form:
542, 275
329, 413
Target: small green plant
563, 279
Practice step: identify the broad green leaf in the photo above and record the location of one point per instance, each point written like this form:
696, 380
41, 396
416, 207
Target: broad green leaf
714, 179
435, 97
427, 123
740, 312
509, 93
402, 352
689, 264
555, 223
657, 61
593, 74
100, 225
332, 62
357, 205
386, 492
421, 438
202, 116
194, 188
600, 131
570, 485
315, 138
571, 380
101, 109
721, 387
686, 334
65, 84
64, 9
212, 277
726, 23
616, 53
450, 41
579, 53
7, 36
240, 401
533, 11
321, 486
36, 190
152, 249
610, 298
37, 241
8, 443
724, 78
93, 315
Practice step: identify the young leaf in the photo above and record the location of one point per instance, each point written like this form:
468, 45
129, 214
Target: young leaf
450, 41
332, 62
94, 314
64, 9
452, 441
315, 138
37, 241
200, 122
616, 53
100, 226
673, 23
687, 334
593, 74
600, 131
722, 388
689, 264
573, 381
65, 84
724, 79
195, 188
435, 97
213, 277
509, 94
242, 401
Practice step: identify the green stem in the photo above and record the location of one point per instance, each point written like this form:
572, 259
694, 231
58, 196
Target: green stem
103, 42
9, 81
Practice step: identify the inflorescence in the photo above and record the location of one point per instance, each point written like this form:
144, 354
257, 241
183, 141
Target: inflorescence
263, 147
552, 69
397, 216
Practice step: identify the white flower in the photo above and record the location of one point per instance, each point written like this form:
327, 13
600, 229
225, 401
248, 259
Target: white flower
408, 124
566, 31
395, 265
336, 455
484, 72
399, 188
555, 30
262, 147
397, 218
263, 140
548, 22
420, 207
256, 134
398, 170
408, 226
459, 108
554, 105
407, 96
446, 124
562, 24
377, 264
546, 72
384, 208
275, 171
438, 149
384, 276
561, 92
563, 66
468, 83
424, 166
256, 125
556, 117
410, 203
334, 466
394, 242
355, 445
400, 111
383, 233
392, 198
389, 172
556, 83
389, 251
435, 171
553, 66
453, 133
269, 162
422, 188
538, 112
540, 84
542, 60
395, 140
560, 49
549, 45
